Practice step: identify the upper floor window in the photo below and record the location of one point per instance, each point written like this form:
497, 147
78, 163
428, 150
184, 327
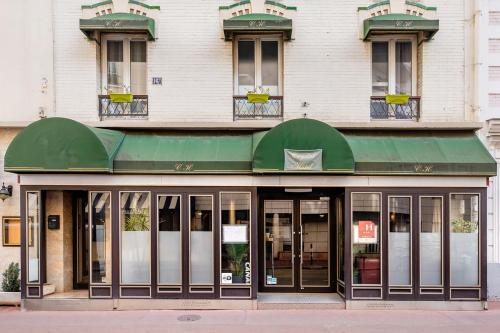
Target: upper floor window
124, 64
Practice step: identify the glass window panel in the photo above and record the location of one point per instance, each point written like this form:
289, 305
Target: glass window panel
380, 68
278, 265
101, 237
115, 66
339, 203
403, 68
246, 66
464, 240
366, 238
135, 237
235, 244
201, 240
399, 241
138, 70
33, 236
431, 228
269, 66
11, 231
169, 239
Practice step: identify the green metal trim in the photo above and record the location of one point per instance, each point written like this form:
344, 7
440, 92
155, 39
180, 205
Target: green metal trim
119, 22
244, 2
255, 23
402, 23
102, 3
277, 4
145, 5
381, 3
420, 5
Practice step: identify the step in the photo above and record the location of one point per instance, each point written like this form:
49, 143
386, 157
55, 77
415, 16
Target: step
299, 301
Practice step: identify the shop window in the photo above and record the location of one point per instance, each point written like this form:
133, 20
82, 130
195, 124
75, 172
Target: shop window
169, 240
124, 67
464, 240
431, 241
33, 236
366, 229
235, 236
339, 208
101, 237
135, 238
11, 231
201, 250
399, 249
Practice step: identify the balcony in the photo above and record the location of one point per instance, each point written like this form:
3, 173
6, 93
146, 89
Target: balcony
137, 109
380, 110
242, 109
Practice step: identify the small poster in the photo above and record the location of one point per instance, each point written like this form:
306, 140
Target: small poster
366, 233
271, 280
235, 233
227, 278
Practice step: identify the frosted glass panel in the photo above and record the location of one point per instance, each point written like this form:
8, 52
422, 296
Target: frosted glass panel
431, 226
399, 241
464, 240
403, 68
169, 239
33, 241
115, 66
380, 68
246, 66
101, 237
201, 240
270, 66
138, 69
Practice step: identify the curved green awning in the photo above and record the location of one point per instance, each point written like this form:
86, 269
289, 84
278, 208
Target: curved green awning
62, 145
306, 135
119, 22
256, 23
399, 23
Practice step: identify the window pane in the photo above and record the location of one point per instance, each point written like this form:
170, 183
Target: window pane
11, 231
101, 237
201, 240
33, 236
270, 70
135, 237
115, 66
235, 249
169, 239
399, 241
246, 66
339, 203
380, 68
464, 239
138, 69
403, 68
366, 238
431, 228
278, 243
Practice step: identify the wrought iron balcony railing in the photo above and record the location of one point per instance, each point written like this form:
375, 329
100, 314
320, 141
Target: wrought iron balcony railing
138, 108
242, 109
380, 110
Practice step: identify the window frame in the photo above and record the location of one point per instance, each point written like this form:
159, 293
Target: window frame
391, 40
4, 219
126, 39
91, 223
258, 39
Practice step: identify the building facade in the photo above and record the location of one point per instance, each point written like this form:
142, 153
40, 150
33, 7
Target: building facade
211, 153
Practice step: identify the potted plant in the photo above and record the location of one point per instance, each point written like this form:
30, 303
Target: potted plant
256, 96
11, 294
135, 249
460, 225
399, 99
237, 254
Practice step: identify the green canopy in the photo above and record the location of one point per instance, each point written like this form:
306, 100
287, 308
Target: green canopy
62, 145
255, 23
399, 23
119, 22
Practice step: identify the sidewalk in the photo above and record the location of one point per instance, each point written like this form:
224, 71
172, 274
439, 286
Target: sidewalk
276, 321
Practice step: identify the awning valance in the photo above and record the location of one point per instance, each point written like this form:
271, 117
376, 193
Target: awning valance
257, 23
399, 23
119, 22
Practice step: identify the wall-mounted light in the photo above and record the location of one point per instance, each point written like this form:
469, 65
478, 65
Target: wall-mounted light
5, 192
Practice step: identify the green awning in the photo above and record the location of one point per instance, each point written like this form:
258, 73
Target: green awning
399, 23
420, 153
62, 145
257, 23
155, 153
119, 22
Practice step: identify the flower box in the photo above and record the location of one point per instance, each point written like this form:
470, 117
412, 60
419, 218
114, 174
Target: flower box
397, 99
257, 98
121, 98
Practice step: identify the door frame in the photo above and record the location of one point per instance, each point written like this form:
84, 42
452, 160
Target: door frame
75, 196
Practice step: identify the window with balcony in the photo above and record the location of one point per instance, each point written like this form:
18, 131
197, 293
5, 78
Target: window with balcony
394, 79
124, 77
258, 73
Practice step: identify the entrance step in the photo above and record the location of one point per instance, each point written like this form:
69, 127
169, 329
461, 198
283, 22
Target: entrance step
300, 301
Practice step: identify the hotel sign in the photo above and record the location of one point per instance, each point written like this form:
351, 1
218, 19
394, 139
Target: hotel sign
303, 160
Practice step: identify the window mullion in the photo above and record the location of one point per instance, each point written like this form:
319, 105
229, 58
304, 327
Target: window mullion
126, 65
258, 63
392, 66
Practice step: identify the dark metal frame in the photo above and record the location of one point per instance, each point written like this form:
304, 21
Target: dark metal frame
138, 108
273, 109
380, 110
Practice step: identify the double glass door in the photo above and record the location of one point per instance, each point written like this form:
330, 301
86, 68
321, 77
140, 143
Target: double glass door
297, 245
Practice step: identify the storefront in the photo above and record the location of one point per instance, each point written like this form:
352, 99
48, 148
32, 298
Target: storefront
209, 220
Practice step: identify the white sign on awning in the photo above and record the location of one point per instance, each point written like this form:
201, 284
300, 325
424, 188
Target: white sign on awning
303, 160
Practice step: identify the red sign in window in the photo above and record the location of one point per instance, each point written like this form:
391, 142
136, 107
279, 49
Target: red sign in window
366, 230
